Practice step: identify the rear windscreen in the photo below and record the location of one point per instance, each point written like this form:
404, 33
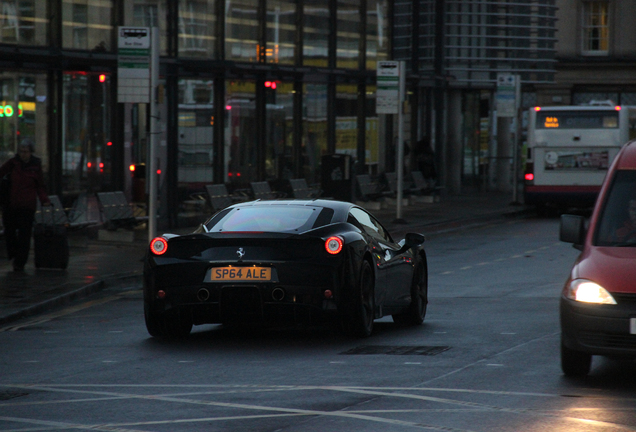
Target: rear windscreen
577, 120
269, 219
617, 222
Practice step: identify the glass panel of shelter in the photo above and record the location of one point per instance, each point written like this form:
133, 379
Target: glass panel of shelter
87, 146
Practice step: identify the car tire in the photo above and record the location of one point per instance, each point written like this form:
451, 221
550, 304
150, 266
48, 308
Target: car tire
419, 297
166, 327
575, 363
359, 321
154, 323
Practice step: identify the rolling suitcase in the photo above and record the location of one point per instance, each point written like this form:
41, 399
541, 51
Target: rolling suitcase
50, 242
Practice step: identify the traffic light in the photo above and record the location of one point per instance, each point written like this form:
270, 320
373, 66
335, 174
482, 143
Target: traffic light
270, 92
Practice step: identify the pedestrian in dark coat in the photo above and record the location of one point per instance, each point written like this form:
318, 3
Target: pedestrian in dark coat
27, 184
426, 161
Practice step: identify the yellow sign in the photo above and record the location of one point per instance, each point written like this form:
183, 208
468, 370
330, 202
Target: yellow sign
551, 122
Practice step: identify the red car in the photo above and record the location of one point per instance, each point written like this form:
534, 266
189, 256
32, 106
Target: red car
598, 302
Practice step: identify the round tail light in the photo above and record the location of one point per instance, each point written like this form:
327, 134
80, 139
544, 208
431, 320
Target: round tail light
333, 245
158, 245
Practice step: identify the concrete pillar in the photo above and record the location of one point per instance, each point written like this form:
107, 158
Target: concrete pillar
504, 154
454, 147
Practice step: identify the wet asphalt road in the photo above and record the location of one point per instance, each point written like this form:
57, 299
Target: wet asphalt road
486, 359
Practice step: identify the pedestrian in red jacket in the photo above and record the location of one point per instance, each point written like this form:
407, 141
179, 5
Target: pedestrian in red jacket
27, 184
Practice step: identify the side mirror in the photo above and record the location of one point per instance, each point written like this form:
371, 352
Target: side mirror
572, 229
413, 239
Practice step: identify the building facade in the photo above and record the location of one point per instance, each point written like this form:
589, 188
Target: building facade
596, 54
250, 90
455, 50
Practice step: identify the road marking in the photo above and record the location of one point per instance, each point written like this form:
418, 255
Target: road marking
392, 392
278, 410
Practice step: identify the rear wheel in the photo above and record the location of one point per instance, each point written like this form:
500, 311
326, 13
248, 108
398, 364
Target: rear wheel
419, 297
153, 322
167, 326
359, 320
575, 363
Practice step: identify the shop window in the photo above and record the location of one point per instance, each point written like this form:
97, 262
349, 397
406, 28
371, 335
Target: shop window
281, 31
314, 142
372, 125
240, 152
87, 25
316, 33
595, 28
347, 119
196, 137
348, 40
197, 24
24, 22
86, 133
149, 13
377, 31
241, 31
23, 114
279, 130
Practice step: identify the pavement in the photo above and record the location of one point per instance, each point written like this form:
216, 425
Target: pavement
95, 264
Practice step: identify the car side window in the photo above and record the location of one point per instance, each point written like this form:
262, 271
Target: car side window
617, 220
369, 224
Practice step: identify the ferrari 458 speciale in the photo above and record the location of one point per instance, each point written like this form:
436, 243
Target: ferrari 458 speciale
285, 262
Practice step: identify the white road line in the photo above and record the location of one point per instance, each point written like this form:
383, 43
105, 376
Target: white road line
363, 415
280, 410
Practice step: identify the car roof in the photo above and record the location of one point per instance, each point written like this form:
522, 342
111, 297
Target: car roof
627, 156
577, 108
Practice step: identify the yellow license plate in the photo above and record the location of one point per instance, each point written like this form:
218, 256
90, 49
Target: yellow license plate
251, 274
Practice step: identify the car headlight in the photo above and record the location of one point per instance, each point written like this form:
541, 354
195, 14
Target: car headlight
586, 291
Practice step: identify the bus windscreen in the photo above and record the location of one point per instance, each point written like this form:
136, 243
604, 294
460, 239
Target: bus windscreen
577, 120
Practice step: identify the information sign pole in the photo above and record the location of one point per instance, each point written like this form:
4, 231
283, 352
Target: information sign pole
391, 84
400, 162
154, 135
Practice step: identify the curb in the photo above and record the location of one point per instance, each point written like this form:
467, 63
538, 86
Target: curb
67, 298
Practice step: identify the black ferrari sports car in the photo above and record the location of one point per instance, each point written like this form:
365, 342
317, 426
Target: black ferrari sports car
285, 262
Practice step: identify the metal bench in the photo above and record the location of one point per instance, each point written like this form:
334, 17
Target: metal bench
78, 214
51, 215
301, 190
421, 186
220, 198
117, 212
262, 191
369, 190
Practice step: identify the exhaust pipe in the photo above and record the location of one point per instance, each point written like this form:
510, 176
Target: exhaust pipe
203, 295
278, 294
